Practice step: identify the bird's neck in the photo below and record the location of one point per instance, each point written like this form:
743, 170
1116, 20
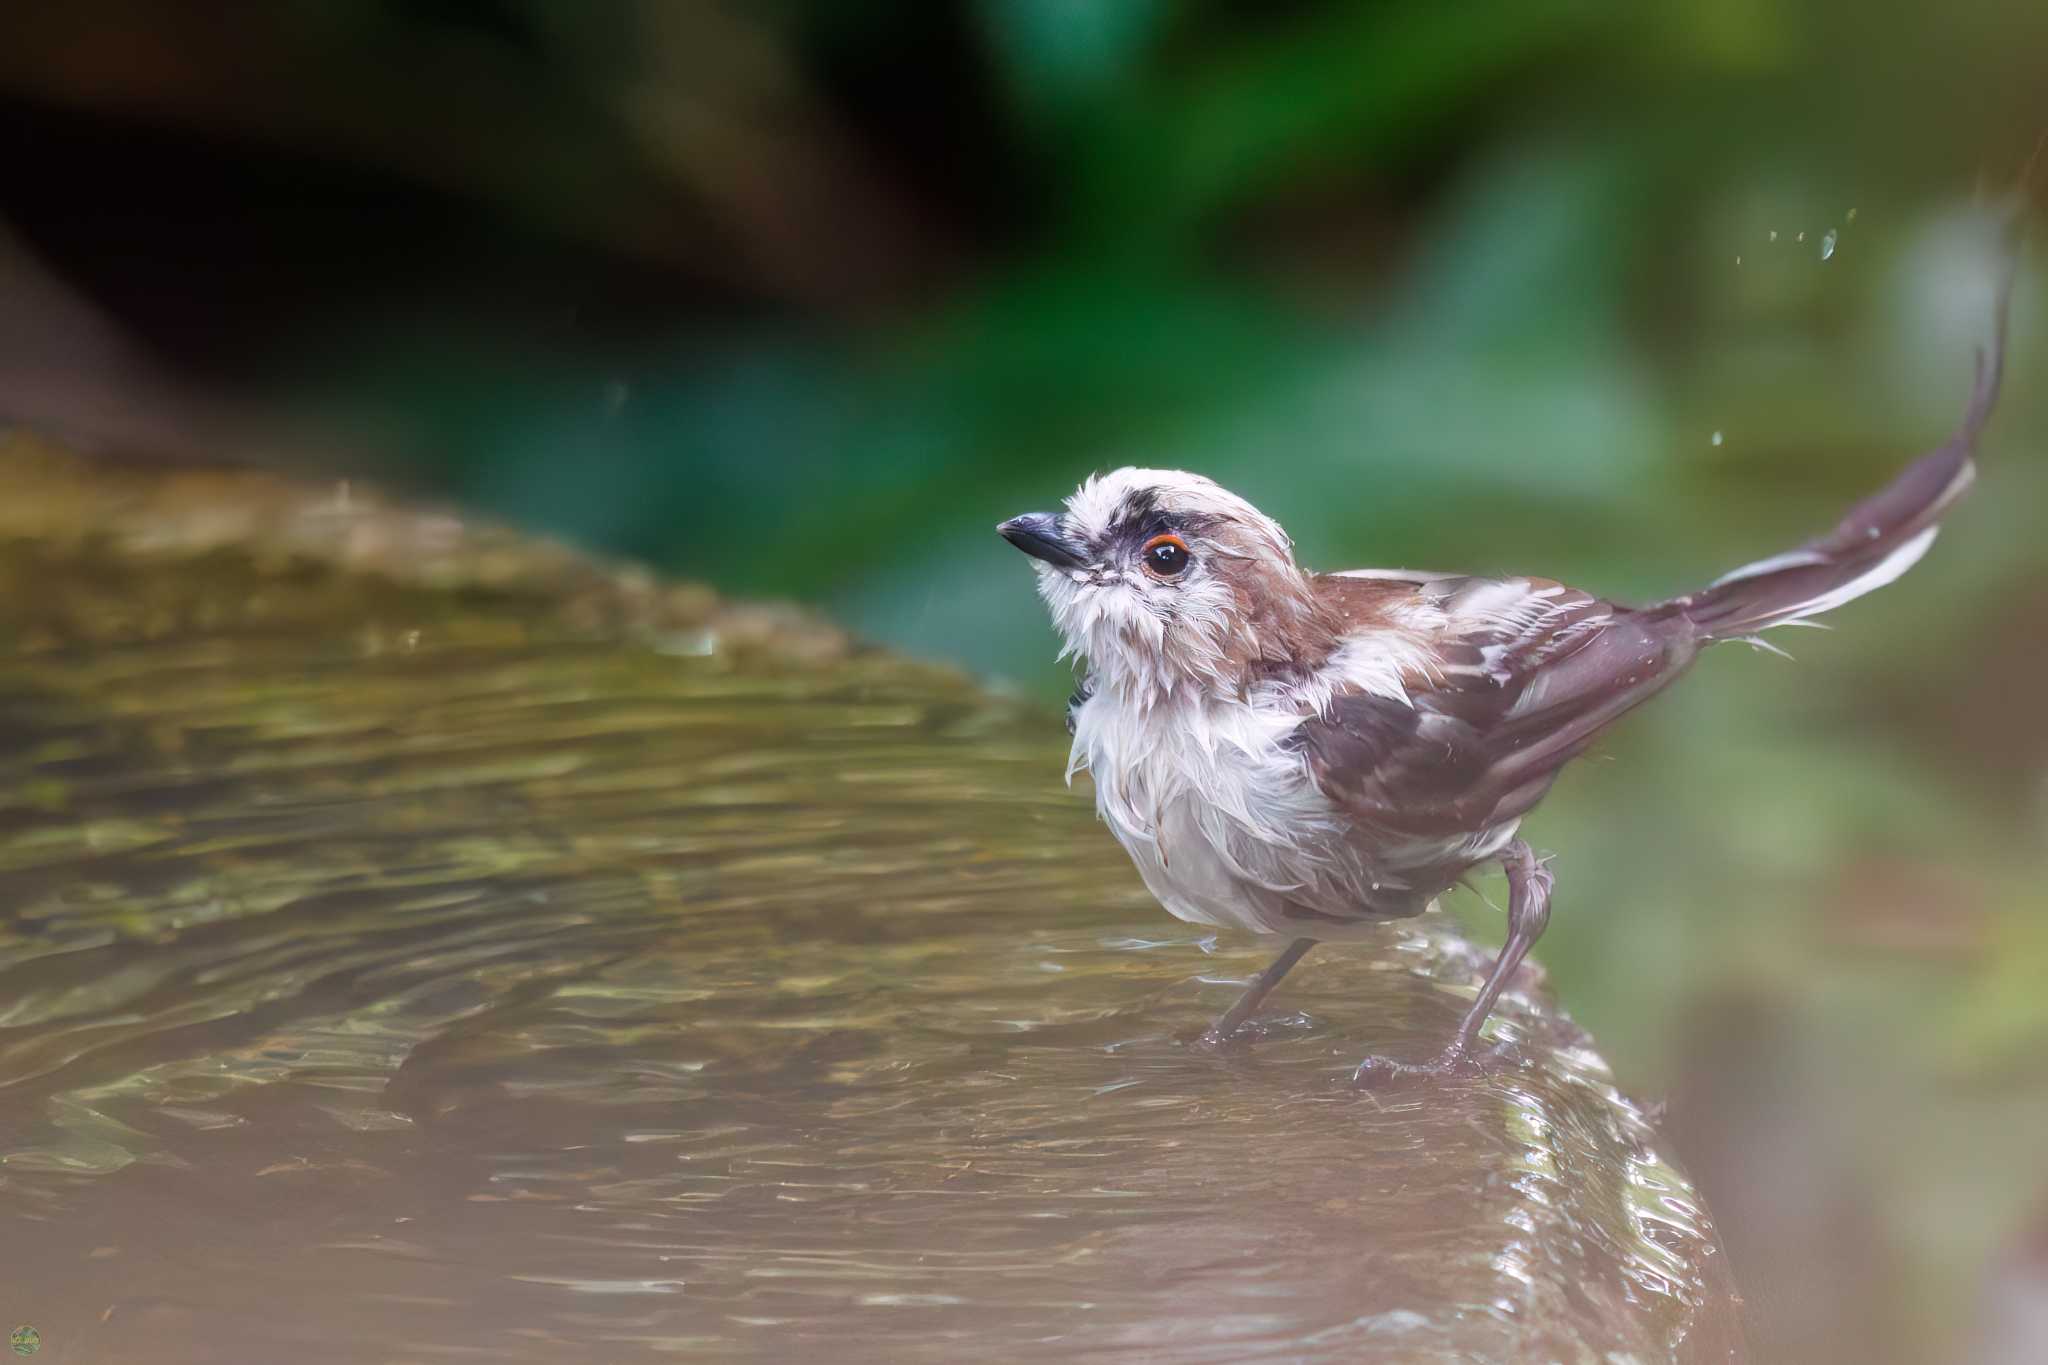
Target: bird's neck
1280, 637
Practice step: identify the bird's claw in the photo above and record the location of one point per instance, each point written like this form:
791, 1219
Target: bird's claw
1379, 1073
1212, 1041
1216, 1041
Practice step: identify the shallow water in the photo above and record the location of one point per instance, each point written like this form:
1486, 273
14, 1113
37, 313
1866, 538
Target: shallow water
393, 974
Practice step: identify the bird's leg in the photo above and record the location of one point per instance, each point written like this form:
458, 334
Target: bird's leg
1529, 883
1221, 1032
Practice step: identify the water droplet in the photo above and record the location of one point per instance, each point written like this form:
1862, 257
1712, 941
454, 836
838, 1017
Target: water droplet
1774, 234
1738, 262
1716, 438
1852, 216
1827, 244
1800, 238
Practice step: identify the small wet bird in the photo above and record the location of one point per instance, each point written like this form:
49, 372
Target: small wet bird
1307, 755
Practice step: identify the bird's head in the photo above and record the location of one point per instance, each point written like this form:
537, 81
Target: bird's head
1165, 582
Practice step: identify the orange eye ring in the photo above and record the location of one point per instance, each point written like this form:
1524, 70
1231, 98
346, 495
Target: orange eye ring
1166, 555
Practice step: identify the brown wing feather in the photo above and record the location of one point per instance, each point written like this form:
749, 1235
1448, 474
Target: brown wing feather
1522, 675
1363, 600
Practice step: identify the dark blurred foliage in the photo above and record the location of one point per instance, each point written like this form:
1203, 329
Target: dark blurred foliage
800, 298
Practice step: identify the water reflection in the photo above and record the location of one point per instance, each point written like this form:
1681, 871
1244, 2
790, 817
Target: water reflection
517, 996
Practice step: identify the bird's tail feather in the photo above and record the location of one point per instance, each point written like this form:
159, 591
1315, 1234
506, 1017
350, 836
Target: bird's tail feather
1880, 538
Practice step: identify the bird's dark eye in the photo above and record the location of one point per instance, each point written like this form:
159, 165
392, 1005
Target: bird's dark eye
1166, 556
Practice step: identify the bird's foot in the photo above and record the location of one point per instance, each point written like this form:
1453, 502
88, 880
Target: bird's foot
1379, 1073
1215, 1039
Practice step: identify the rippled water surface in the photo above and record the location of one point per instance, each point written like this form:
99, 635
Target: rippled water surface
392, 974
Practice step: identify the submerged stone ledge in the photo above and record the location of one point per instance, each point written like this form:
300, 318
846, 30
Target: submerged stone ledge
423, 938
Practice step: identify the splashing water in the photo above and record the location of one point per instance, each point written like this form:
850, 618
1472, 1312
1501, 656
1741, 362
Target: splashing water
1827, 244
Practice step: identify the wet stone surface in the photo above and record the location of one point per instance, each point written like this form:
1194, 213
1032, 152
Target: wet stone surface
397, 968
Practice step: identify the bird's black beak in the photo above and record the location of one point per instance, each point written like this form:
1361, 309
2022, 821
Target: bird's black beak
1038, 534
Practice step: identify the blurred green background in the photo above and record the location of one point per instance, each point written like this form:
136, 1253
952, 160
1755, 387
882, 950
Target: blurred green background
800, 298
